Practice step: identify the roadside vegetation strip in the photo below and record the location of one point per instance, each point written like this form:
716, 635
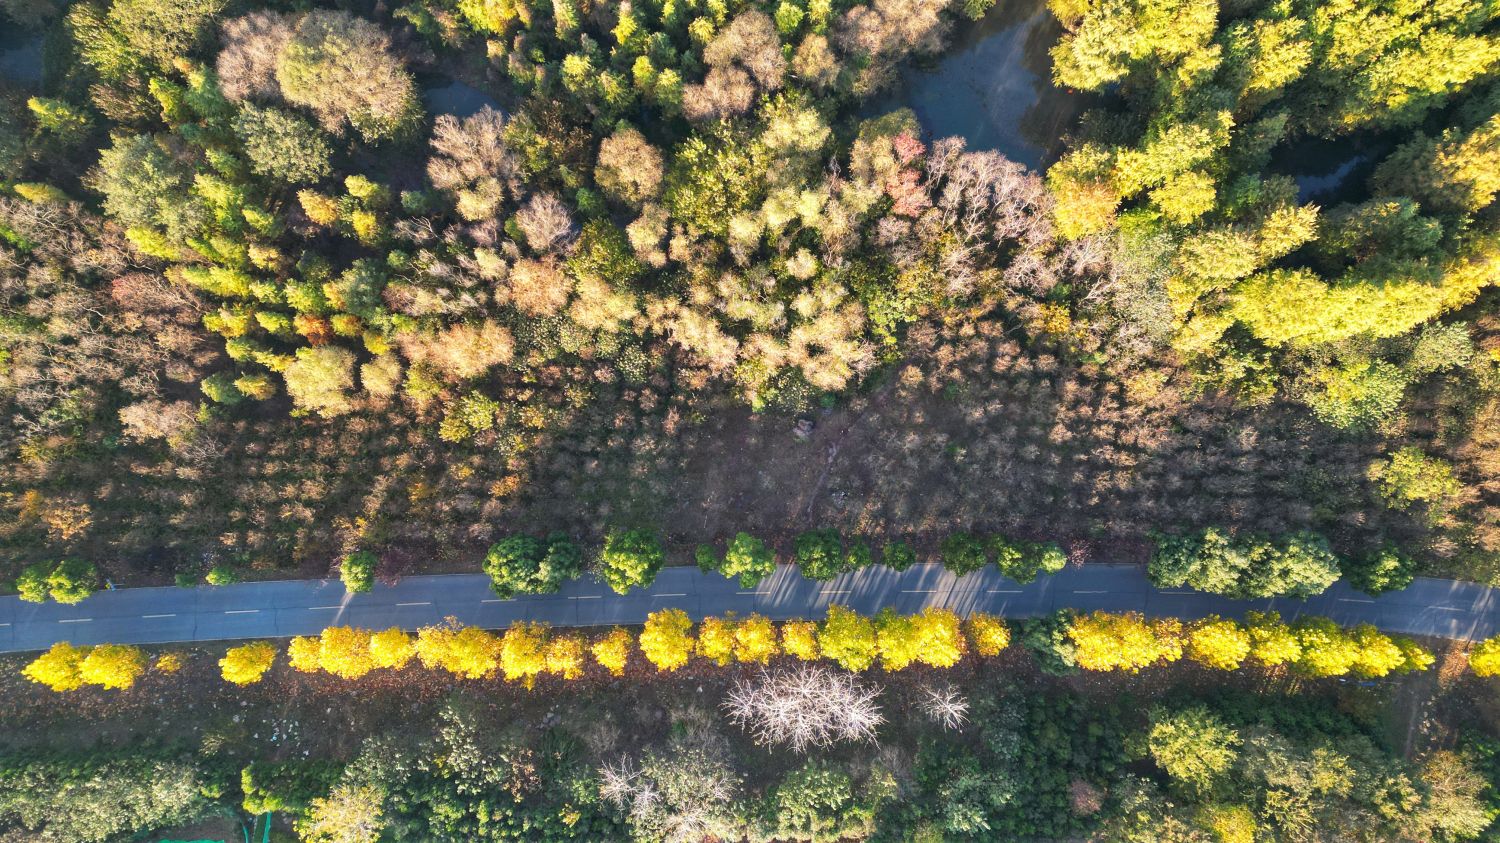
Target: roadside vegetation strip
1065, 642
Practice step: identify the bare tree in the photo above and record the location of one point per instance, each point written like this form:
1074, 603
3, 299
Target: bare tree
804, 707
547, 224
945, 706
745, 57
630, 168
252, 48
471, 159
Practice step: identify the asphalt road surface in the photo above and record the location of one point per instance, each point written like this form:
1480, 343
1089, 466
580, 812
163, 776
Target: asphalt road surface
304, 607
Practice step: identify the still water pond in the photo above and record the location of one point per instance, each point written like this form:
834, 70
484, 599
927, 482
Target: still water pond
20, 56
993, 86
457, 98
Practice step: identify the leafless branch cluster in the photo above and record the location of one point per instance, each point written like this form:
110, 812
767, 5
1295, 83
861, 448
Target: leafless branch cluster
470, 158
945, 706
805, 707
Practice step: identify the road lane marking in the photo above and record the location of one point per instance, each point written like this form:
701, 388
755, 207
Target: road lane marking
494, 600
159, 616
1447, 609
422, 603
240, 611
919, 591
1175, 592
588, 597
1080, 591
835, 591
75, 620
752, 592
322, 608
679, 594
4, 624
1353, 600
1003, 590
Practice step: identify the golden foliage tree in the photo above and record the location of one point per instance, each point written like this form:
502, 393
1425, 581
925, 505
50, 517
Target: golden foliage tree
565, 656
1272, 641
988, 633
1484, 659
1126, 641
716, 639
612, 652
667, 640
1327, 650
345, 652
391, 648
1218, 643
464, 651
800, 639
247, 663
523, 652
896, 639
58, 668
940, 640
848, 638
305, 654
114, 666
755, 640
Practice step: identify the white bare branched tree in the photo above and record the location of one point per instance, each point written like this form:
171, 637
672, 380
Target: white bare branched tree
805, 707
944, 706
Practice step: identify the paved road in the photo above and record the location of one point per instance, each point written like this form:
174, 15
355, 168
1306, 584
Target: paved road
304, 607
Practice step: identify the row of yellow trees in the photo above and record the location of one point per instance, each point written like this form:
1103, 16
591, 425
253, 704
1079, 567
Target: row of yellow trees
1098, 641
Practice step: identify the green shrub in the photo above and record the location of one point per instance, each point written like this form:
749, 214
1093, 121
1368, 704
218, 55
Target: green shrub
72, 581
1387, 569
630, 559
32, 582
820, 554
749, 559
964, 553
524, 565
898, 555
221, 574
357, 570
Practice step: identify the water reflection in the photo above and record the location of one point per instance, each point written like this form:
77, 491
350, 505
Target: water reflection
993, 86
457, 99
1331, 171
20, 56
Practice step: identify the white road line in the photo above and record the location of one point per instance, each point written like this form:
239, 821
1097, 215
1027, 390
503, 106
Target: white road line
240, 611
159, 616
588, 597
1003, 590
423, 603
752, 592
919, 591
75, 620
1446, 609
1353, 600
1079, 591
670, 595
323, 608
4, 624
835, 591
494, 600
1174, 592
